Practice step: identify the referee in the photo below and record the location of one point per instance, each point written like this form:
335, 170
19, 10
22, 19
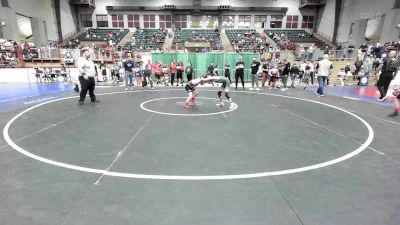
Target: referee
86, 76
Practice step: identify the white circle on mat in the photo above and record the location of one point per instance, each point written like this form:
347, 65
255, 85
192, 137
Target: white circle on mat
363, 146
186, 114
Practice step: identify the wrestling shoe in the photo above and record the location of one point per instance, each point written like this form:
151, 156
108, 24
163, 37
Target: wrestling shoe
221, 104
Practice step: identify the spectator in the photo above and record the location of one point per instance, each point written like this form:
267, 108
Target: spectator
324, 66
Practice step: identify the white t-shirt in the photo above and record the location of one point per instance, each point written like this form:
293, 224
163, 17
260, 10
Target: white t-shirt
87, 65
323, 67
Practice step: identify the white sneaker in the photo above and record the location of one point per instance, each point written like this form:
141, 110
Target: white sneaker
250, 89
152, 88
257, 89
232, 106
126, 89
283, 89
221, 104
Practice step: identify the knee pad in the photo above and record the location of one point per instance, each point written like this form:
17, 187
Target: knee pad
219, 94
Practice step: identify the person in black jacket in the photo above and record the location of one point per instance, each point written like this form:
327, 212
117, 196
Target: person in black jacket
239, 73
285, 73
210, 69
255, 65
388, 67
294, 71
189, 71
227, 71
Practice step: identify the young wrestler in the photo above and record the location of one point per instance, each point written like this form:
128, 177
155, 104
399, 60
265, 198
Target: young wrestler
191, 90
225, 84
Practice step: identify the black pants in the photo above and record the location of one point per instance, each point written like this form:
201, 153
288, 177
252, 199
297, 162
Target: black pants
179, 76
172, 78
383, 83
87, 85
312, 78
189, 76
237, 76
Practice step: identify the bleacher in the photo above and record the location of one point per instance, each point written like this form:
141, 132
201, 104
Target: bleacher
296, 36
147, 39
201, 35
245, 38
103, 35
8, 57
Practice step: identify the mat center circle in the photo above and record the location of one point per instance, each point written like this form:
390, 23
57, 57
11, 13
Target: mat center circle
206, 107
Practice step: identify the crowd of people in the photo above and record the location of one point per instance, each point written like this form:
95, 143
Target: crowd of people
282, 41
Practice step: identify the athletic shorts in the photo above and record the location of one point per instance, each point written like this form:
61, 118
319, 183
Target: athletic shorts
189, 88
225, 87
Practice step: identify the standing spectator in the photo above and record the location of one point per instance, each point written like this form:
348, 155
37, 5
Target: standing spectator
173, 72
157, 72
239, 73
311, 64
128, 66
368, 63
103, 69
86, 76
274, 76
38, 73
147, 76
116, 77
324, 66
357, 67
210, 69
265, 73
179, 71
310, 52
227, 71
388, 68
302, 70
255, 65
307, 76
285, 73
294, 71
189, 72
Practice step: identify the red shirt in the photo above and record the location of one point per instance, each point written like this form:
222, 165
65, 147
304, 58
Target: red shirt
157, 69
173, 68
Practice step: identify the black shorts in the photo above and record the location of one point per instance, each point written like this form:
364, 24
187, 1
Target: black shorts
179, 76
189, 88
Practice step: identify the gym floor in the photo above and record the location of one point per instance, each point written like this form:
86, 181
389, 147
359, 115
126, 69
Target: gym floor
139, 157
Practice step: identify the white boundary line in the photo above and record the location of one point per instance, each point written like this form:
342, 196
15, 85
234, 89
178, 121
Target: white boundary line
185, 114
213, 177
